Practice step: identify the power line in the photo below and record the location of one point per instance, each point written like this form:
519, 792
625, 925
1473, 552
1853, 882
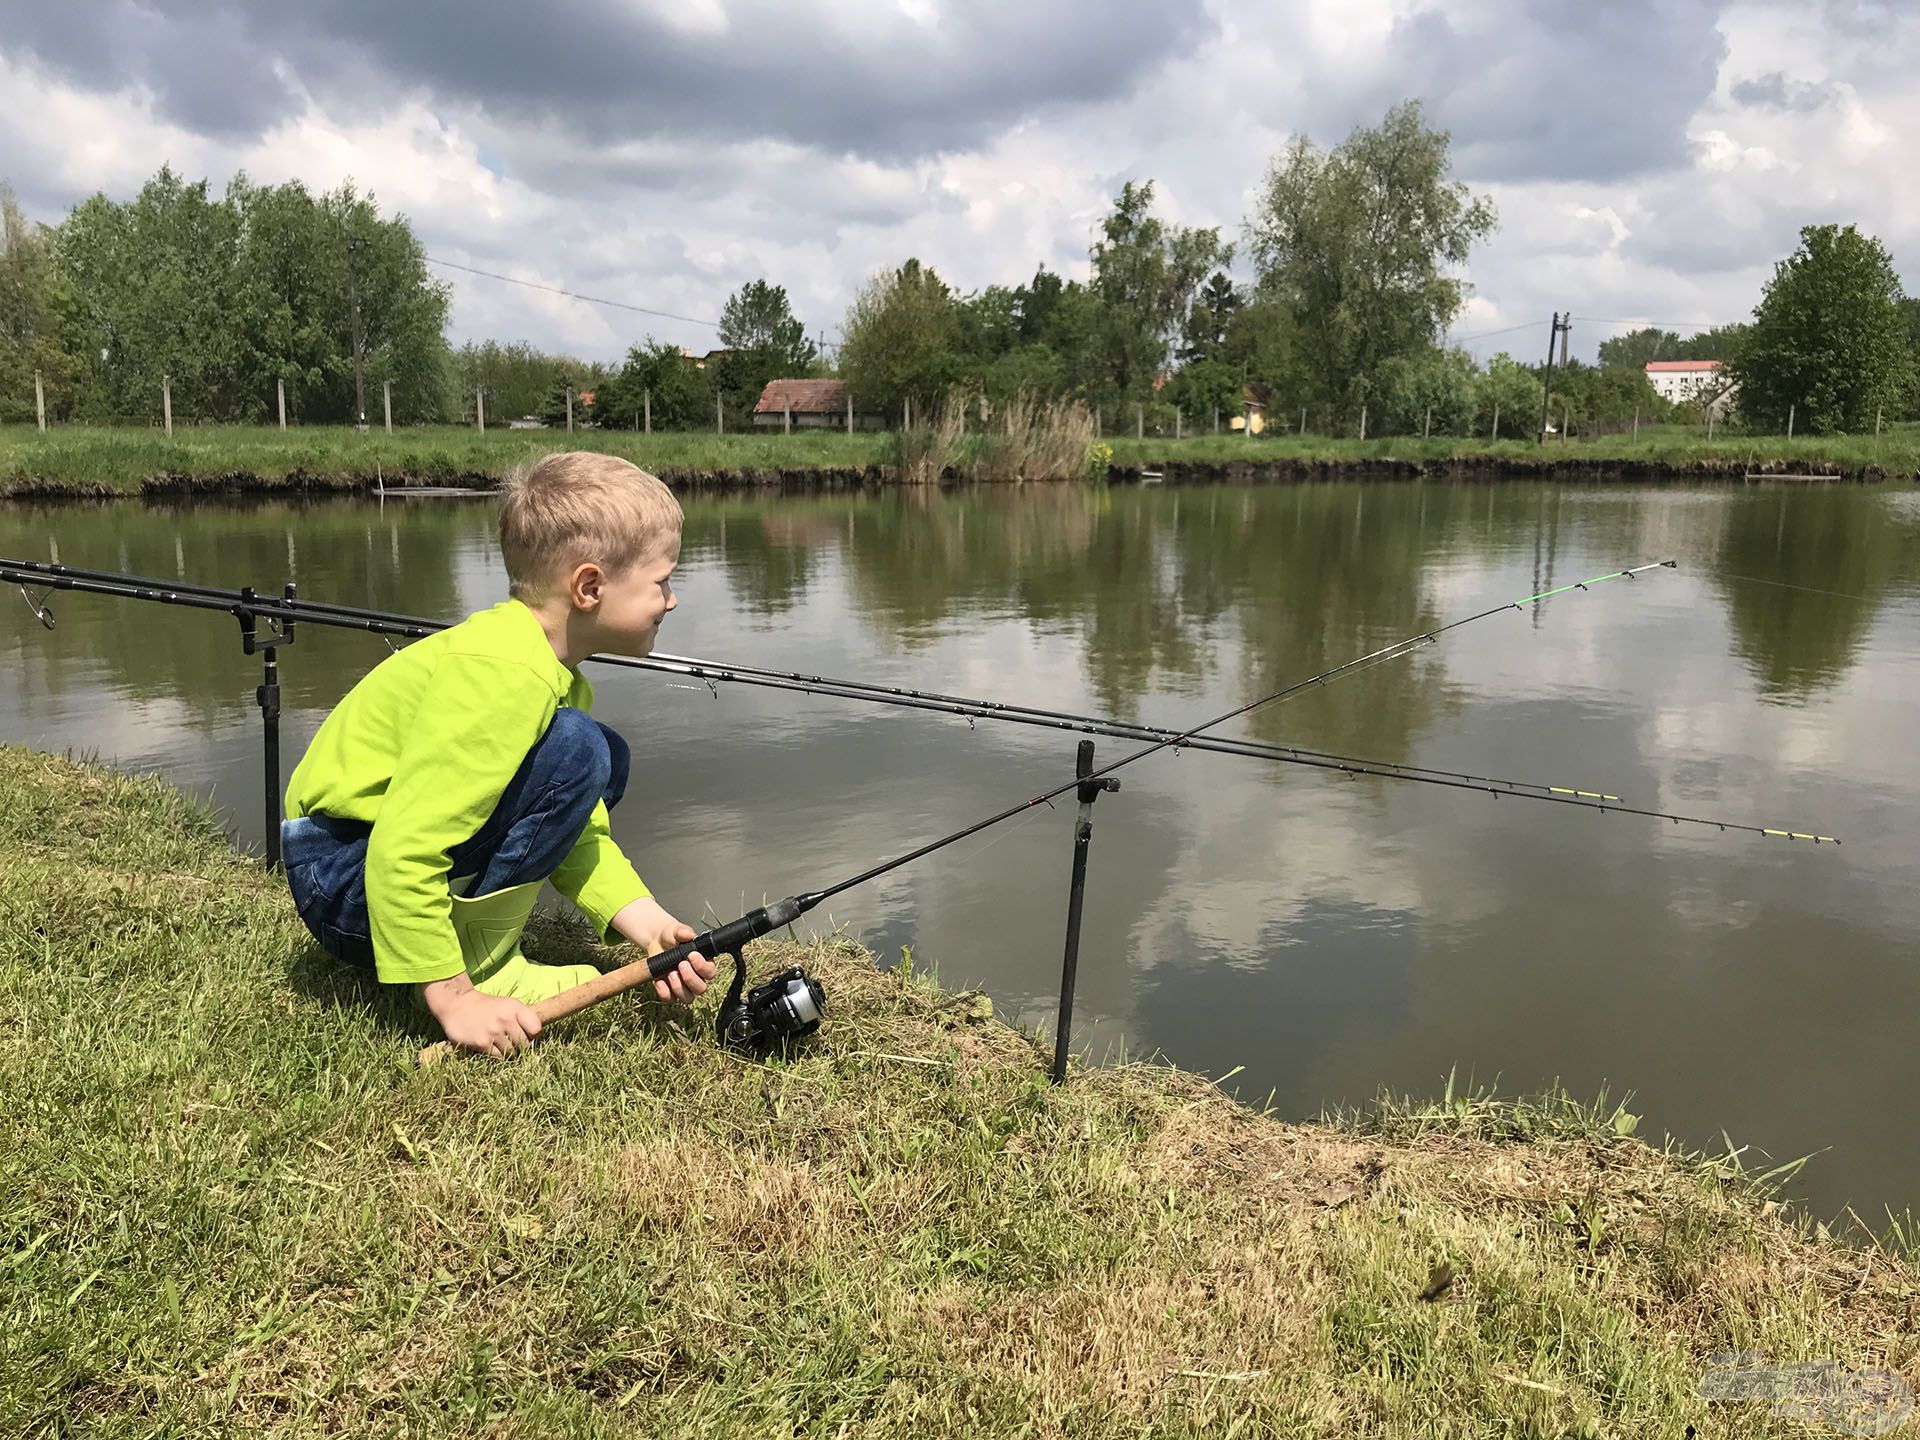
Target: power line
1489, 334
573, 295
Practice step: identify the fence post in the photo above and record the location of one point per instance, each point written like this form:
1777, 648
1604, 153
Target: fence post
1496, 421
1090, 790
386, 402
646, 403
1216, 419
1139, 421
480, 409
1363, 422
719, 414
786, 416
1426, 426
267, 696
1710, 413
1303, 420
166, 402
1636, 422
280, 387
849, 412
1566, 421
1177, 418
569, 409
1877, 410
1790, 410
40, 405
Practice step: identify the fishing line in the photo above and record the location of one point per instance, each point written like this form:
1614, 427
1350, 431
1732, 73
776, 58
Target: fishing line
712, 673
1789, 585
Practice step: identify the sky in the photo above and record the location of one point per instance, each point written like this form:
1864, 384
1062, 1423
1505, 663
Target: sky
1649, 161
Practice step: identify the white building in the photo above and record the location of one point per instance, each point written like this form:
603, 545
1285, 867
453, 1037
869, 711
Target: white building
1690, 382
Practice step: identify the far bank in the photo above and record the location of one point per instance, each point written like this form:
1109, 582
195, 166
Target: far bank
100, 463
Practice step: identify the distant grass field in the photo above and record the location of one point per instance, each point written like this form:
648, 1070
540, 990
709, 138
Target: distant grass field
231, 1204
83, 460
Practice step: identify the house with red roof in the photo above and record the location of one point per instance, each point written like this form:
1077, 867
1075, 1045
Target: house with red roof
813, 405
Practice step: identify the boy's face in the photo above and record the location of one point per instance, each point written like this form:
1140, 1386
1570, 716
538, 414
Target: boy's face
634, 601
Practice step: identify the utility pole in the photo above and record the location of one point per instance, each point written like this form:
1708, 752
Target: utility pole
1561, 325
355, 244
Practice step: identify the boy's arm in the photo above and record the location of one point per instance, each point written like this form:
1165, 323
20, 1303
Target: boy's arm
597, 876
474, 725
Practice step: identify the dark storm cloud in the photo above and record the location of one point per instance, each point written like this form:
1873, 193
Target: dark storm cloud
889, 86
1554, 92
1774, 91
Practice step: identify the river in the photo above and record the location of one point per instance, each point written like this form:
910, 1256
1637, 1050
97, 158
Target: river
1329, 936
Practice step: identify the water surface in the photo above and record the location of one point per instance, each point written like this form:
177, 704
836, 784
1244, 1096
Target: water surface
1329, 935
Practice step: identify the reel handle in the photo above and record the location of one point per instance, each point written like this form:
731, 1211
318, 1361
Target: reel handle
721, 940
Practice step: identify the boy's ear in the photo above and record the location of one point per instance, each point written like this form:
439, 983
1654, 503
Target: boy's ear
584, 585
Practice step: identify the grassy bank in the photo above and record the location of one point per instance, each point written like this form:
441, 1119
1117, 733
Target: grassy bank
230, 1203
85, 461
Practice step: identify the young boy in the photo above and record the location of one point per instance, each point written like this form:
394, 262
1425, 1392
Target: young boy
465, 769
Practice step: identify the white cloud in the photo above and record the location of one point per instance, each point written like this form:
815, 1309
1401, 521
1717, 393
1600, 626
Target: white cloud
1668, 199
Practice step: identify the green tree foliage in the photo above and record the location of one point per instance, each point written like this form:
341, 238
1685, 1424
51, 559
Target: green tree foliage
897, 340
1357, 242
1829, 338
1438, 387
682, 393
517, 380
1717, 342
1633, 350
1204, 388
1605, 397
39, 320
1211, 319
227, 296
764, 342
1145, 274
1515, 392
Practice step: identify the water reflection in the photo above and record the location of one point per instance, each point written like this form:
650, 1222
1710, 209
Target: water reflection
1329, 935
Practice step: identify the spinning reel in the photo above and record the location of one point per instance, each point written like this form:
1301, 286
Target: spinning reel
770, 1017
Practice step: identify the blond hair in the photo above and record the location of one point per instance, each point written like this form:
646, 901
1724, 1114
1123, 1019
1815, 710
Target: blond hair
567, 509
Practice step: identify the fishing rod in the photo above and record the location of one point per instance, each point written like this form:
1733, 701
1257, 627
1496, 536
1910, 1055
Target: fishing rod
791, 1005
246, 604
714, 672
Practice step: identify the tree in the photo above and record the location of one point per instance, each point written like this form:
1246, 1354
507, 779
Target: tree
1829, 337
765, 341
896, 342
1513, 392
230, 296
1355, 243
1210, 319
1436, 389
658, 375
1035, 302
1145, 273
1634, 349
39, 323
1717, 342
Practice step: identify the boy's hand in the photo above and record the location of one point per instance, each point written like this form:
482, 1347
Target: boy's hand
474, 1020
647, 924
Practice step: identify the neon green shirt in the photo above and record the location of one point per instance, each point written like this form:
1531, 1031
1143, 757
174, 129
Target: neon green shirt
422, 749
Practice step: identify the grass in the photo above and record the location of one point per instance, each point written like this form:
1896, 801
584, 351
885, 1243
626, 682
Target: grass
230, 1203
1896, 452
106, 461
84, 460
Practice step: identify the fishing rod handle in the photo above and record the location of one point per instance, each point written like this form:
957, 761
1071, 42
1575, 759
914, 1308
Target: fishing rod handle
721, 940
